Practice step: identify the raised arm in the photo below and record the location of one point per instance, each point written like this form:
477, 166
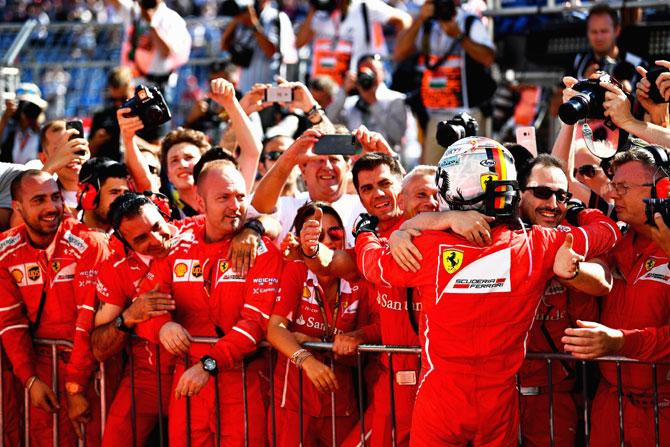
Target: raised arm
223, 92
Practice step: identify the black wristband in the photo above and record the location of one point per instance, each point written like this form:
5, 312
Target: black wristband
255, 225
316, 253
120, 324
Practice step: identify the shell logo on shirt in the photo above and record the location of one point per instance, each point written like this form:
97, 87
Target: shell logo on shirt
18, 276
180, 269
452, 260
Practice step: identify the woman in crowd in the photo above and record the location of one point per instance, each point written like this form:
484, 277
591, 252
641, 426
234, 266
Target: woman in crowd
316, 307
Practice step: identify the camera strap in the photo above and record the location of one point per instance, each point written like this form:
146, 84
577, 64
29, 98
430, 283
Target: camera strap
366, 22
425, 45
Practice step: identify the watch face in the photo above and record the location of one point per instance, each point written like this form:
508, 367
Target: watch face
118, 322
209, 364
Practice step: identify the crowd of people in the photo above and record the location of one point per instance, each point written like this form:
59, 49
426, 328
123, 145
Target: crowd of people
287, 213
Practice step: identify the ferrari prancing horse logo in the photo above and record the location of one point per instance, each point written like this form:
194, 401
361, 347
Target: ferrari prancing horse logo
452, 260
485, 178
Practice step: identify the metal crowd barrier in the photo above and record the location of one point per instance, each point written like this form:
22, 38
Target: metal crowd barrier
390, 352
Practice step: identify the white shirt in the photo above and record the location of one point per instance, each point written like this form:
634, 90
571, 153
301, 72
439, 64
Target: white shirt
349, 207
261, 69
352, 28
172, 29
26, 145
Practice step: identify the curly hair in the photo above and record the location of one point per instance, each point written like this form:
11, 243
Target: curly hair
182, 135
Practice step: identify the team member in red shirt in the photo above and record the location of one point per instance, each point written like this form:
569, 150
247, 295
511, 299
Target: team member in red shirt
473, 347
544, 202
213, 300
138, 222
635, 314
313, 307
48, 268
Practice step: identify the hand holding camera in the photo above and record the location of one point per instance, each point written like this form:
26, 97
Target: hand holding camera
128, 124
616, 105
644, 87
149, 105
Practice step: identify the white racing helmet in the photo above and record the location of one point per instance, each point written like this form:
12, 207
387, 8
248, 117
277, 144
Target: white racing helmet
477, 173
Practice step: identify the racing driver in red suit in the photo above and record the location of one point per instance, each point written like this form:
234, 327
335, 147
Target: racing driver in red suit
476, 311
48, 268
213, 300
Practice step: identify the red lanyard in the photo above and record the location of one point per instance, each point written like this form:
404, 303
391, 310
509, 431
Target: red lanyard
328, 331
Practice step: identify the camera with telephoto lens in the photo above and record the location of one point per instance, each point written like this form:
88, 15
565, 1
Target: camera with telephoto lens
445, 10
149, 104
653, 206
460, 126
652, 76
365, 79
324, 5
588, 103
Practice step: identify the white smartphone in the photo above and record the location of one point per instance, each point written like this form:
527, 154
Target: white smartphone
278, 94
525, 136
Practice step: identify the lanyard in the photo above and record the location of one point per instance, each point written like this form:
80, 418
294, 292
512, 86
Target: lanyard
328, 331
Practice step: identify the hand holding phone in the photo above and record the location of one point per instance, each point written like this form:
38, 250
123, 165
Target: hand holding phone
278, 93
525, 136
337, 144
75, 124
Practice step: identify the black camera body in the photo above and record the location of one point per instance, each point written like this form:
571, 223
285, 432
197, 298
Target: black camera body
149, 104
652, 76
365, 80
460, 126
445, 10
589, 102
653, 206
324, 5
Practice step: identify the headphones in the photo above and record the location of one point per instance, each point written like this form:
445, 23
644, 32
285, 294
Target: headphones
158, 200
661, 188
89, 187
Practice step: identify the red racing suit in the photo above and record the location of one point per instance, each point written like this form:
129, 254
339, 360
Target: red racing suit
118, 281
639, 305
63, 276
212, 300
476, 312
298, 301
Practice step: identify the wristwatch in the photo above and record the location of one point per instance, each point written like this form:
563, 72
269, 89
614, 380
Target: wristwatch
120, 324
209, 365
314, 115
73, 388
256, 225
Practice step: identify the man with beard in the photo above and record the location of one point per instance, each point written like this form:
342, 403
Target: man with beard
212, 299
544, 202
48, 268
140, 225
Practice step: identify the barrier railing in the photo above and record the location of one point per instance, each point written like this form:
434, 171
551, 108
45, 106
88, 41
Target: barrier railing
389, 351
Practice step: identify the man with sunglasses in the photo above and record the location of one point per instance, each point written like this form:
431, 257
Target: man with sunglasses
544, 202
273, 148
212, 299
635, 315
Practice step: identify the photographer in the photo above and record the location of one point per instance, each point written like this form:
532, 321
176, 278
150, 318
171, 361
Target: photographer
375, 106
20, 125
344, 30
105, 136
447, 37
157, 41
253, 38
635, 313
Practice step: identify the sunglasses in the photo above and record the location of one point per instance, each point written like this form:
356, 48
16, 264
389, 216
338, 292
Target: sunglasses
274, 155
545, 193
586, 171
335, 234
